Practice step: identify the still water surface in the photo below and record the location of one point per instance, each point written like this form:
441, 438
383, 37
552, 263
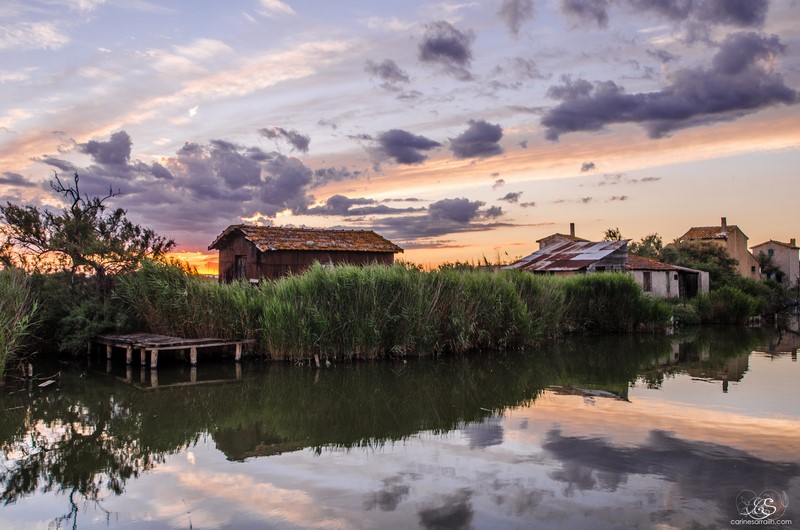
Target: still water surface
602, 432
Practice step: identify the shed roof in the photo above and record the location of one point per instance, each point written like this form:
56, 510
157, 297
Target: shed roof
640, 263
270, 238
565, 256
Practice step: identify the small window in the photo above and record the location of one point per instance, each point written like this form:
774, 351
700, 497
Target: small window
647, 281
753, 268
675, 277
771, 252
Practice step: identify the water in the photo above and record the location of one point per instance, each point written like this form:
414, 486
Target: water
602, 432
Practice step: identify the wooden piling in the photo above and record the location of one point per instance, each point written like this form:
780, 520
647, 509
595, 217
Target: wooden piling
129, 354
154, 358
193, 355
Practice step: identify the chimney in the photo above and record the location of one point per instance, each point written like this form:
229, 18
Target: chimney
793, 242
572, 229
724, 223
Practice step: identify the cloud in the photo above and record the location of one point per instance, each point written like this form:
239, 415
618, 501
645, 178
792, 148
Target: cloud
740, 13
587, 166
15, 179
272, 8
498, 183
32, 36
404, 147
325, 175
388, 72
511, 197
298, 141
527, 204
587, 11
515, 13
345, 206
458, 210
740, 81
116, 151
446, 46
389, 496
480, 140
617, 198
455, 511
160, 172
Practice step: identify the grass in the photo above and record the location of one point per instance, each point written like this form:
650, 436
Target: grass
17, 313
350, 312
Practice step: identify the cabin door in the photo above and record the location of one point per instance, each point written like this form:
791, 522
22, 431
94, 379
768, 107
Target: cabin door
240, 268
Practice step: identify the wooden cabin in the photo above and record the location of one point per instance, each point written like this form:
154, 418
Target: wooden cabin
248, 252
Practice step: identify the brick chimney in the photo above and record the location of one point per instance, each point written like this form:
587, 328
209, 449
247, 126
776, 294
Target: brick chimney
724, 223
572, 229
793, 242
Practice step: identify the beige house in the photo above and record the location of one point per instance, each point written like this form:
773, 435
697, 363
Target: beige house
665, 280
786, 258
733, 240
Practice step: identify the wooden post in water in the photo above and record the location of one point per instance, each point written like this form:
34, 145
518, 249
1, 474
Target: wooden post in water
193, 355
109, 347
238, 371
154, 360
238, 351
193, 374
154, 378
142, 355
129, 373
316, 359
128, 354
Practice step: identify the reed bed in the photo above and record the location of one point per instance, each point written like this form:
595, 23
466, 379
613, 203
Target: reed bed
17, 312
349, 312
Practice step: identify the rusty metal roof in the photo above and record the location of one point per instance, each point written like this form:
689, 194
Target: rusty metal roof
709, 232
269, 238
640, 263
564, 256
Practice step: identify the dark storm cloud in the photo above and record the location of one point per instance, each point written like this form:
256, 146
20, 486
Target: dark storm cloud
15, 179
587, 11
388, 72
57, 163
515, 13
512, 197
663, 56
285, 185
115, 152
160, 172
298, 141
235, 168
493, 212
739, 82
480, 140
446, 46
345, 206
459, 210
325, 175
404, 147
587, 166
740, 13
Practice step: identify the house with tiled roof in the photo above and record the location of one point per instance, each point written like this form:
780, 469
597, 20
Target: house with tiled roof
733, 240
666, 280
549, 240
785, 256
249, 252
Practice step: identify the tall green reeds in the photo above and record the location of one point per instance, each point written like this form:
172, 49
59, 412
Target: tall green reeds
17, 311
368, 312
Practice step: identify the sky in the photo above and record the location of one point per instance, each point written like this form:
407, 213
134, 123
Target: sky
460, 131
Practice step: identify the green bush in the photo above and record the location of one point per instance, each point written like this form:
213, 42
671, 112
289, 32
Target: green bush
726, 305
685, 315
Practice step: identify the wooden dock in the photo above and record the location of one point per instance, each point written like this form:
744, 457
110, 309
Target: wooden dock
144, 342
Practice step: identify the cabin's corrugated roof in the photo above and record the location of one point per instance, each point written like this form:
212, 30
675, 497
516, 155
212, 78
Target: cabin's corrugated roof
709, 232
269, 238
564, 256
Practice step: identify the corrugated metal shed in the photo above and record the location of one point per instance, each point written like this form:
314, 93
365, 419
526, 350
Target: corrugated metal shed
270, 238
568, 256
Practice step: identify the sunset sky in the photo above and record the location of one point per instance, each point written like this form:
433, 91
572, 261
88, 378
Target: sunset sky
457, 130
